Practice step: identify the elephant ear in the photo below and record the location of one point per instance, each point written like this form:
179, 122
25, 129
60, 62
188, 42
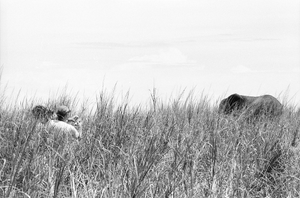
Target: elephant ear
236, 102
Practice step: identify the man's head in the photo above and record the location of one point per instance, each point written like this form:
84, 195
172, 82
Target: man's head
62, 112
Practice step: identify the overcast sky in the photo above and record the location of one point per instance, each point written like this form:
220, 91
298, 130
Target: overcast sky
215, 47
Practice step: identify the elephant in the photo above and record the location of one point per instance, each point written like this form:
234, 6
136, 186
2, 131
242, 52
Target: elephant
251, 106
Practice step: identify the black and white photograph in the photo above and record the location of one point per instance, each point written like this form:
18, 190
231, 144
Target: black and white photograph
149, 98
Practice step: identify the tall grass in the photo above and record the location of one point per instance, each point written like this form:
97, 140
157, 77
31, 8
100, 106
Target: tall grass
180, 149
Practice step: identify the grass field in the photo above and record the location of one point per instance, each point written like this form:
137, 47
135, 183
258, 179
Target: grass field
180, 149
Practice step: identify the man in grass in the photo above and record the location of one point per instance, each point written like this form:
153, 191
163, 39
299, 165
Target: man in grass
59, 120
62, 114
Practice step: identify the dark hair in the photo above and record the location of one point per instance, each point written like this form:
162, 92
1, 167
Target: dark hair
62, 112
60, 117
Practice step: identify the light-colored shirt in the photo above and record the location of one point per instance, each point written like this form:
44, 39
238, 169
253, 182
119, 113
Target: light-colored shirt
63, 127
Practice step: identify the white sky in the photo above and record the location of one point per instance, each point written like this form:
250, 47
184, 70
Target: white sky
215, 47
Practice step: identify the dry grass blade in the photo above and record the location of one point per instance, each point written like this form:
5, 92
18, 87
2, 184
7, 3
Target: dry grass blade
19, 161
